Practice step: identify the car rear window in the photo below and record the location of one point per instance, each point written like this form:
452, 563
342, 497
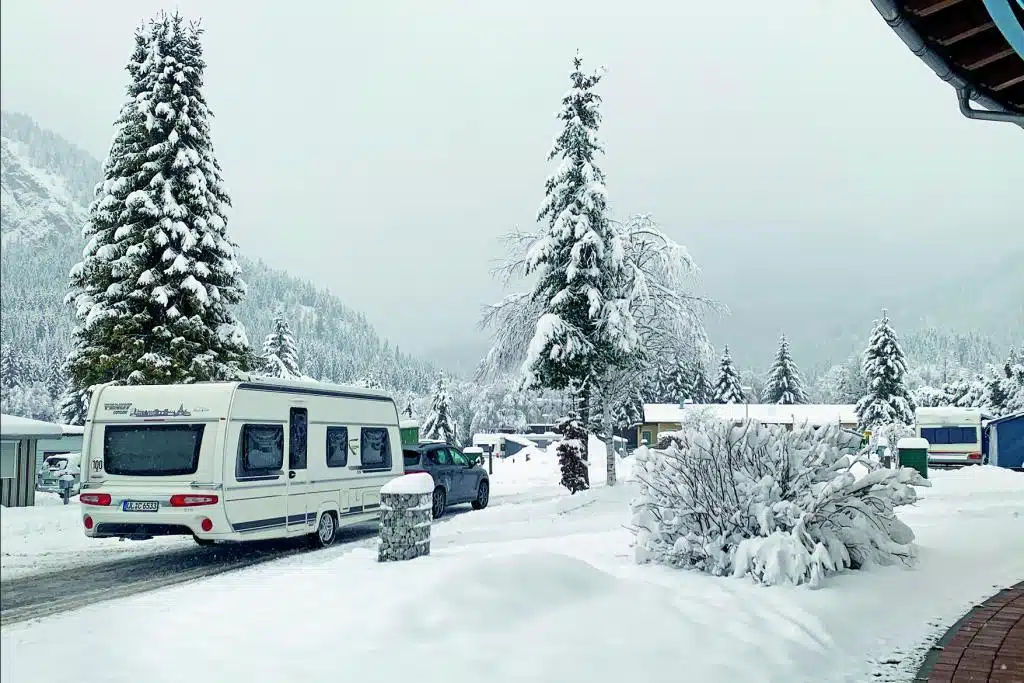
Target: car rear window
151, 450
412, 458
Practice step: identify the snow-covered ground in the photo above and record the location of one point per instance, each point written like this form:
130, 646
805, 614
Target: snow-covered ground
547, 590
534, 470
49, 537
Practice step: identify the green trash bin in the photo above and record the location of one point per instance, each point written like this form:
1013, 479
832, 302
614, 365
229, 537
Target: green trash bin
913, 453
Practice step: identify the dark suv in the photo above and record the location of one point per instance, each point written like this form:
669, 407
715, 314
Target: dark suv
457, 479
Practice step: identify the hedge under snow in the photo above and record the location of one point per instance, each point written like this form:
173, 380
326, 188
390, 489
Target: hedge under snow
776, 505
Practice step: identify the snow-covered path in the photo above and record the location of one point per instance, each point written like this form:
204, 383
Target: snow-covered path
546, 590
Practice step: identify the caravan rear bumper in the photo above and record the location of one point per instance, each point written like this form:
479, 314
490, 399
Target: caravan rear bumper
112, 521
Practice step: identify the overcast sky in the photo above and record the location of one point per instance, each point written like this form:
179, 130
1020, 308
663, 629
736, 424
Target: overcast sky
381, 148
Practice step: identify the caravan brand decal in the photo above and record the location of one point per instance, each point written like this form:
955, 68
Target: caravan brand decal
161, 412
117, 408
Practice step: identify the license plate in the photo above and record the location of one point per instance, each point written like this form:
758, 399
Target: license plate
140, 506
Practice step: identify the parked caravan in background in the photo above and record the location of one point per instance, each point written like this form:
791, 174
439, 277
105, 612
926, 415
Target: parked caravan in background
236, 461
955, 435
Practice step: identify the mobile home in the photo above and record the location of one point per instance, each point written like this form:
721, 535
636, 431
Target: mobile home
236, 461
955, 435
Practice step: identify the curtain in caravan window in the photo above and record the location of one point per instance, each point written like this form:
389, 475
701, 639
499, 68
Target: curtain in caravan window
263, 447
374, 448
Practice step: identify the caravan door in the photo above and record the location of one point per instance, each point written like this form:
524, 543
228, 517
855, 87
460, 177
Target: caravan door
298, 472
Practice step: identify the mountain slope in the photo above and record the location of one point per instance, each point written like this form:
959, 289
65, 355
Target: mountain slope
46, 184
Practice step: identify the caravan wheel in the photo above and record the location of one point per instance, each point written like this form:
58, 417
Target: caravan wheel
326, 530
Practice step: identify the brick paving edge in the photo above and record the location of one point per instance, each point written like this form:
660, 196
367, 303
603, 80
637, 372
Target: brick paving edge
931, 657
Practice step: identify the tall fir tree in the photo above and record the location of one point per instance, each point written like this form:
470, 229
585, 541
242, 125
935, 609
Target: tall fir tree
885, 368
727, 387
154, 289
699, 390
586, 327
280, 359
440, 423
784, 384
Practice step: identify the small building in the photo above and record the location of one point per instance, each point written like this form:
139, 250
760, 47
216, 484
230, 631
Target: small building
668, 417
1006, 442
410, 432
70, 441
19, 437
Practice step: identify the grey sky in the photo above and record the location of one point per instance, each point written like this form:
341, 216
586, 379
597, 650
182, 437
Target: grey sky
381, 148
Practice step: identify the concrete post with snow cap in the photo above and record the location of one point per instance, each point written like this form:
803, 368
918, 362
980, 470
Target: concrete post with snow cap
406, 505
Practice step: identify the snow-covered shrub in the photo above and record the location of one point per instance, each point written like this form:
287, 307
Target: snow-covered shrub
780, 506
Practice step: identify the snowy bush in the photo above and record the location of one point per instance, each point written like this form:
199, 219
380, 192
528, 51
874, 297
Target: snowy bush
571, 450
779, 506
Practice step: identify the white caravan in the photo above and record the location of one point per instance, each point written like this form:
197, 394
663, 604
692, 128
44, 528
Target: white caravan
236, 461
955, 435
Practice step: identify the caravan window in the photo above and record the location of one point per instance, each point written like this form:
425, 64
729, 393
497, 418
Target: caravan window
297, 439
950, 435
375, 448
151, 450
337, 446
261, 450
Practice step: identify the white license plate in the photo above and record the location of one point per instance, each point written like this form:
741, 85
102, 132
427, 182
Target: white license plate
140, 506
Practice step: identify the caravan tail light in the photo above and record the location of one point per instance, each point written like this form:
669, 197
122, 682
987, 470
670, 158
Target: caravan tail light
87, 521
94, 498
187, 500
974, 456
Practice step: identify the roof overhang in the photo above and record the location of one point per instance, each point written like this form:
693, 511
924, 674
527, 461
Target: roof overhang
977, 46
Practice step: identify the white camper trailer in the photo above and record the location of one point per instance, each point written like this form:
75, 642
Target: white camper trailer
236, 461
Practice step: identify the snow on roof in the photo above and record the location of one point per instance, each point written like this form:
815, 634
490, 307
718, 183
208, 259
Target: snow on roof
410, 484
409, 424
519, 439
912, 442
313, 384
473, 450
72, 430
948, 414
768, 413
12, 426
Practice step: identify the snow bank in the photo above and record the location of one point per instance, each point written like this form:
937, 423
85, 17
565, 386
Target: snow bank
580, 610
517, 474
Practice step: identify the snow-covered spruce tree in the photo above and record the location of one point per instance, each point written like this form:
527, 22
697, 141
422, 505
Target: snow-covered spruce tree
779, 506
727, 386
784, 384
440, 423
885, 368
1013, 371
570, 454
586, 328
280, 358
408, 413
699, 389
153, 291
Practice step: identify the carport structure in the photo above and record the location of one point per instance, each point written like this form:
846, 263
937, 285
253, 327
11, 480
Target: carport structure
977, 46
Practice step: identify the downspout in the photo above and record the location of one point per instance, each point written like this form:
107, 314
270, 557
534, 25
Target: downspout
890, 11
964, 96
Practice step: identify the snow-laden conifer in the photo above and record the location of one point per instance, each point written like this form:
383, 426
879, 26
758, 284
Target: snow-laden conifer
885, 369
280, 358
440, 422
571, 449
153, 291
586, 326
727, 387
784, 384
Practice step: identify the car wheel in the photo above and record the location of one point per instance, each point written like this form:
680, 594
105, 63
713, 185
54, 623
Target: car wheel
483, 495
440, 502
326, 530
203, 541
